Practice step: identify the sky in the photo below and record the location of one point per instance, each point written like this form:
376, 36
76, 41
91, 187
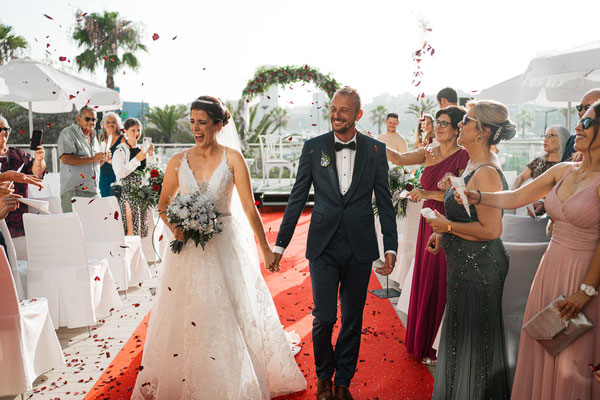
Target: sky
364, 44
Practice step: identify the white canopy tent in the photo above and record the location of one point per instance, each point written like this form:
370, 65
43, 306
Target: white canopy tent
554, 80
43, 89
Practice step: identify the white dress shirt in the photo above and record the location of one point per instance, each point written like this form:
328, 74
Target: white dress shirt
344, 163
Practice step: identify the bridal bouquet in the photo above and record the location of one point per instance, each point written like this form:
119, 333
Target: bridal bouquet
148, 192
198, 218
402, 181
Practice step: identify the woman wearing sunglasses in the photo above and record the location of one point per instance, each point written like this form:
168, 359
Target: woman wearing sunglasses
15, 159
471, 357
428, 290
570, 266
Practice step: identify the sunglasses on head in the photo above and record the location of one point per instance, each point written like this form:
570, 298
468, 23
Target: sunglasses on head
586, 123
5, 129
88, 119
466, 119
581, 108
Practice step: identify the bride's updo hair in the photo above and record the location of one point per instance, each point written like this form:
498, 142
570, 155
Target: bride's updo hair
494, 115
214, 107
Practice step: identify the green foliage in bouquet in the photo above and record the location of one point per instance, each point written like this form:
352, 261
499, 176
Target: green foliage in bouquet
148, 192
402, 179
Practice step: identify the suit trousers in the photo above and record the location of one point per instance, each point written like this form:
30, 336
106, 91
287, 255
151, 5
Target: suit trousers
337, 269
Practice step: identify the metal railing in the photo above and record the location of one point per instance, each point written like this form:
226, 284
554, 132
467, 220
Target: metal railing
514, 155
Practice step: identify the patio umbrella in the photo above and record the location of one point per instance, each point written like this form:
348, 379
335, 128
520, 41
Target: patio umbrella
43, 89
3, 87
565, 68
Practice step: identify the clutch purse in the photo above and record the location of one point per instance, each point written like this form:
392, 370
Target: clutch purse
553, 332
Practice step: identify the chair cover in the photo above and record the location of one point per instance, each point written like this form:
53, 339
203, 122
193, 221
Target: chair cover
104, 238
78, 290
28, 342
523, 229
18, 269
524, 261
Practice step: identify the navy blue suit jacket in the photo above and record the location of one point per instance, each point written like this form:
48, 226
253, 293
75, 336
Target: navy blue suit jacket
370, 175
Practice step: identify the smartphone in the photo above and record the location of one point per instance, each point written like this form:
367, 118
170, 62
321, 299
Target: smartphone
146, 144
36, 139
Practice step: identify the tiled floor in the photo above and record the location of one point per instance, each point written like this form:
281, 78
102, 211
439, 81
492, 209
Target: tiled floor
87, 356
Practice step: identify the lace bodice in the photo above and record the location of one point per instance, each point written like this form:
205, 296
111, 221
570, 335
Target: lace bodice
219, 185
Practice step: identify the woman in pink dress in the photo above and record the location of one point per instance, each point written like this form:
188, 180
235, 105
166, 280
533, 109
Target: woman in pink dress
570, 266
428, 290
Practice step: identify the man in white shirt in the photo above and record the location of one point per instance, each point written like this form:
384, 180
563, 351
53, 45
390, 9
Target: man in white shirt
345, 167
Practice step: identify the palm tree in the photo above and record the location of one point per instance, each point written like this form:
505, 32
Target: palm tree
280, 118
165, 120
104, 36
422, 107
11, 46
525, 120
378, 116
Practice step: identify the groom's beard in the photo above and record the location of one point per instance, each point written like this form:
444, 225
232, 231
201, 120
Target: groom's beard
345, 127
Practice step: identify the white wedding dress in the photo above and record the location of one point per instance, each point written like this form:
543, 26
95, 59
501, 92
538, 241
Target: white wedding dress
214, 332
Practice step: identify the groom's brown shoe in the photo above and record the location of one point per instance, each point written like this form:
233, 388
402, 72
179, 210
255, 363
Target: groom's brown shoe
342, 393
324, 389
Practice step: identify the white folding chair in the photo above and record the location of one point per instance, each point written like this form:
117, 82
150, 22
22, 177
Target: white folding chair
50, 192
104, 238
269, 145
28, 343
18, 268
78, 290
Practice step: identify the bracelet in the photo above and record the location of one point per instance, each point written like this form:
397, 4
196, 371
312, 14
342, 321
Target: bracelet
478, 201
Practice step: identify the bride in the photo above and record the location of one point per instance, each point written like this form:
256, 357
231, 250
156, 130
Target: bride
214, 332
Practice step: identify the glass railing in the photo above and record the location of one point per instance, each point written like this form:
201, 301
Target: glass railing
514, 155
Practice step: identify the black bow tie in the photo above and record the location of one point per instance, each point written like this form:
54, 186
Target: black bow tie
340, 146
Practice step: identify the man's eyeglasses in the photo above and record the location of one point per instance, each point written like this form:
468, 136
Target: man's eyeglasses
88, 119
442, 124
5, 129
586, 123
466, 119
581, 108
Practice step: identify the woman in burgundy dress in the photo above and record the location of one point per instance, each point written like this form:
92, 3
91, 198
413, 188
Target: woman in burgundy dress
428, 291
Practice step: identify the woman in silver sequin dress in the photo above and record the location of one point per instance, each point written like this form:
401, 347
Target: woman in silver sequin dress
471, 357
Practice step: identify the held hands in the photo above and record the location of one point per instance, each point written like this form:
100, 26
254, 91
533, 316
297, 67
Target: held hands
388, 266
439, 223
435, 243
269, 258
274, 265
573, 304
40, 154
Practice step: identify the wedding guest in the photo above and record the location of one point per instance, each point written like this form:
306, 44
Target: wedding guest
570, 266
588, 98
471, 358
425, 134
129, 157
428, 290
554, 146
13, 159
80, 159
111, 130
391, 138
447, 97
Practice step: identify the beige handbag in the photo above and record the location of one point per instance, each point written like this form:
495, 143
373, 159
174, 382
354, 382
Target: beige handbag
552, 331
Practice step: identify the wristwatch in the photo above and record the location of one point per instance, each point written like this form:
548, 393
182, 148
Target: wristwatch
588, 290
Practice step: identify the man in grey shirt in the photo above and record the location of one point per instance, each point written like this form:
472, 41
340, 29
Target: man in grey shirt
80, 159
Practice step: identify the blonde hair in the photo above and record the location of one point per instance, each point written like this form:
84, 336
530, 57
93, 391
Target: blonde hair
494, 115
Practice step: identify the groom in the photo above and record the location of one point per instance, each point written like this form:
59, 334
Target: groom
345, 167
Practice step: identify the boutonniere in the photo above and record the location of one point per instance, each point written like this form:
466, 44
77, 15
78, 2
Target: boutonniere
325, 161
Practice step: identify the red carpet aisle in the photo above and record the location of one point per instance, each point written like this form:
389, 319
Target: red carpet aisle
385, 372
